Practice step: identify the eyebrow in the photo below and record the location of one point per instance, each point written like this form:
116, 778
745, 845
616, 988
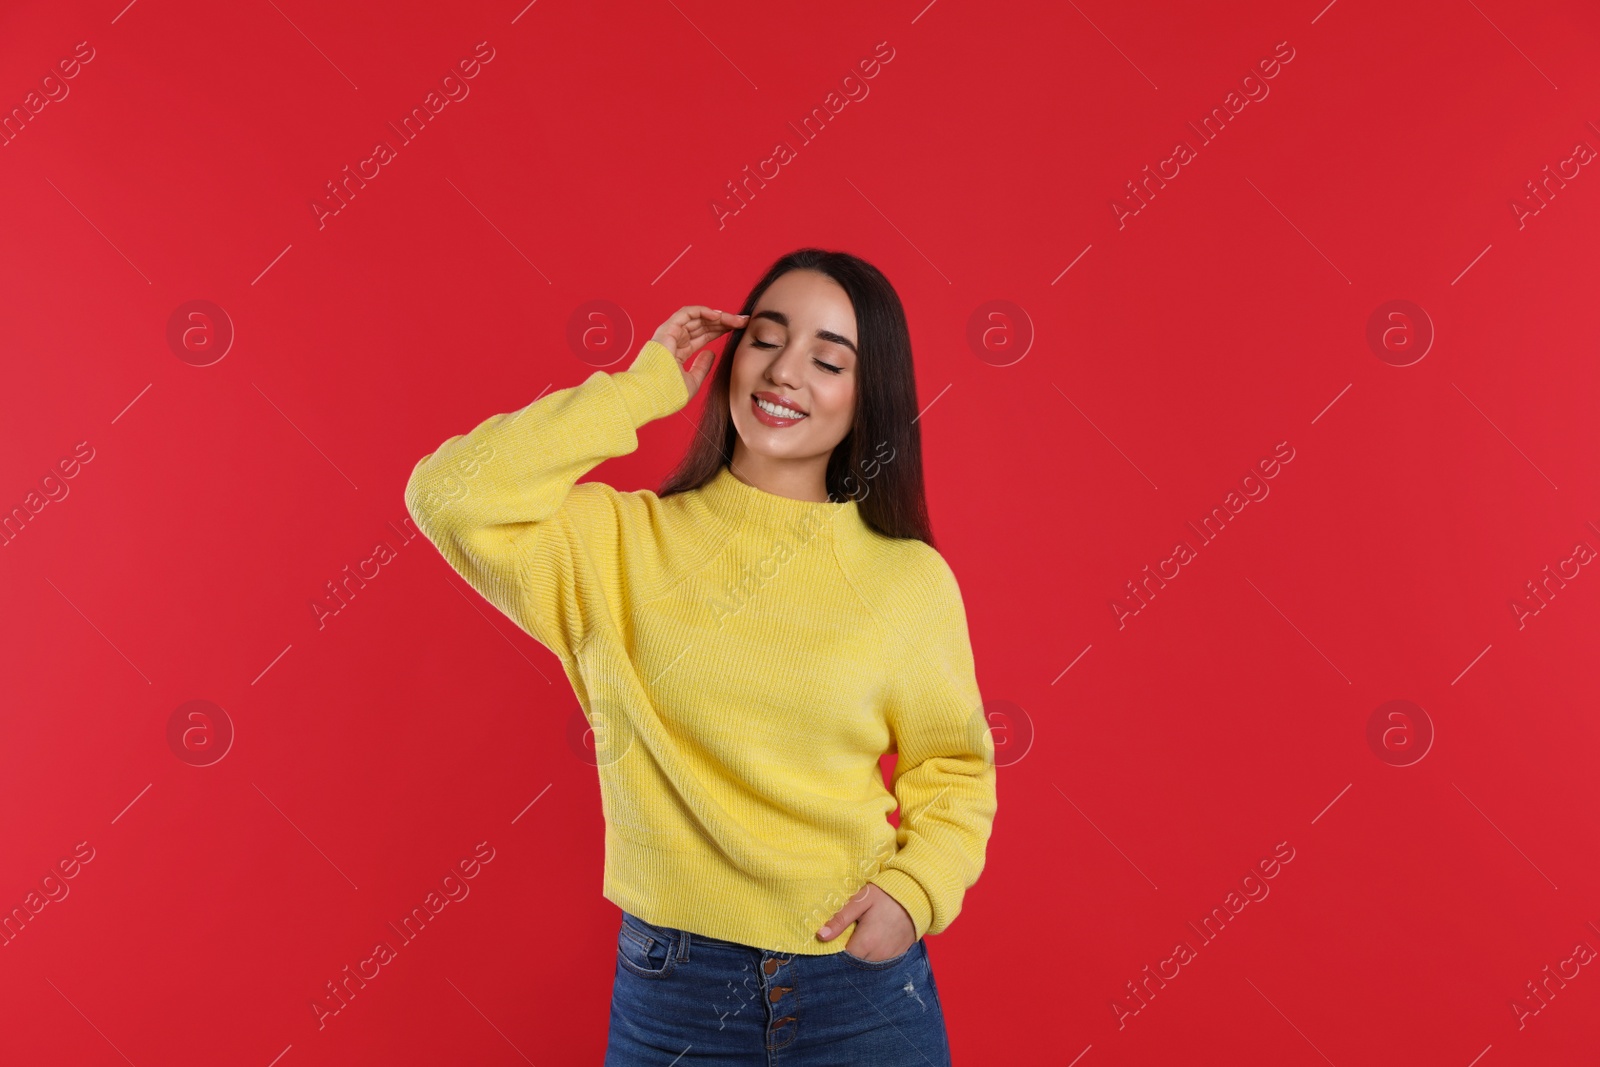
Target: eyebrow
823, 335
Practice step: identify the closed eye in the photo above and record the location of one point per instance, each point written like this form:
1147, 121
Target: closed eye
829, 367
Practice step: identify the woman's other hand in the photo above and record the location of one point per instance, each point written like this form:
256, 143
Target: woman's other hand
688, 332
883, 927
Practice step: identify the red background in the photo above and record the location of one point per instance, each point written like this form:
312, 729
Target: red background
374, 750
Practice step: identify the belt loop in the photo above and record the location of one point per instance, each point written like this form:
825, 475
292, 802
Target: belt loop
683, 945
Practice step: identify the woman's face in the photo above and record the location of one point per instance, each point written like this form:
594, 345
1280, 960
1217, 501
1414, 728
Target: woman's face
799, 352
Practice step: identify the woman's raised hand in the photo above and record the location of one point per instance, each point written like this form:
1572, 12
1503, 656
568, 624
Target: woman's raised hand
688, 332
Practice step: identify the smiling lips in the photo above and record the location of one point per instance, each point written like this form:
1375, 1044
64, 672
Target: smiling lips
768, 406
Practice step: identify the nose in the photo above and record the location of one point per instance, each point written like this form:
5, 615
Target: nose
781, 372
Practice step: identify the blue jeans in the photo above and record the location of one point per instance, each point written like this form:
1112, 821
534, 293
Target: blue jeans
680, 999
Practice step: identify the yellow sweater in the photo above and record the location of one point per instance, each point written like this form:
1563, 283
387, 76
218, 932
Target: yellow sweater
743, 659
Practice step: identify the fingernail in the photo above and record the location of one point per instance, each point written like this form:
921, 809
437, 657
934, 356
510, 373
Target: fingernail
825, 931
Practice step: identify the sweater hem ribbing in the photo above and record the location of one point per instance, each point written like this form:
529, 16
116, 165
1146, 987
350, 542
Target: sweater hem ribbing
724, 900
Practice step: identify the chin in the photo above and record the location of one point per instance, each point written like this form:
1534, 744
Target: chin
755, 448
758, 443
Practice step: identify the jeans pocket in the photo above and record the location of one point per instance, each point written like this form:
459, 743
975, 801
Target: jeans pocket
880, 965
643, 953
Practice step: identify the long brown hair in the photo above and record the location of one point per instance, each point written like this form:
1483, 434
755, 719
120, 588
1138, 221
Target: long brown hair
879, 462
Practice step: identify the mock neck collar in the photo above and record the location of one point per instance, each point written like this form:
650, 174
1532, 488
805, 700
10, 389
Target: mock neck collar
739, 504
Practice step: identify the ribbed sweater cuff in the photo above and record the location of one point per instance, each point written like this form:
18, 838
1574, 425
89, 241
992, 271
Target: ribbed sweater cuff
653, 385
909, 893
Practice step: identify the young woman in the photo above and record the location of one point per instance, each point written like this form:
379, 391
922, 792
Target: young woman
746, 645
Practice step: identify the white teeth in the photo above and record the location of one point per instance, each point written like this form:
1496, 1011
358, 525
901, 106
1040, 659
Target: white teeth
782, 413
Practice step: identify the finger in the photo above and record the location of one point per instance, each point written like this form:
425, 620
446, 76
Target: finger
836, 925
673, 328
724, 320
703, 332
687, 318
845, 915
696, 325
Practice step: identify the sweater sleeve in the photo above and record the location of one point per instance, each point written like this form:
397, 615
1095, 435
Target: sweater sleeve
502, 505
944, 776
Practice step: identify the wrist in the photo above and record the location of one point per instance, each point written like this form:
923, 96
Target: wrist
653, 384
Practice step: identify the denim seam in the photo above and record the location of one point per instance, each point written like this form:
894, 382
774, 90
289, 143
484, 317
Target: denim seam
879, 965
